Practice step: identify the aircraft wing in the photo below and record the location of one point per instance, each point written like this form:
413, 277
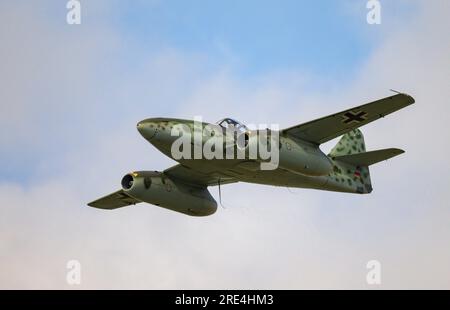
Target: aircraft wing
329, 127
115, 200
188, 175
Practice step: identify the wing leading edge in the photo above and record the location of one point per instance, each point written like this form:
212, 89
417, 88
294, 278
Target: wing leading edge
329, 127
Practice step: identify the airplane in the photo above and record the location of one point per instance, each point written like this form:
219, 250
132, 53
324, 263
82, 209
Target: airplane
301, 164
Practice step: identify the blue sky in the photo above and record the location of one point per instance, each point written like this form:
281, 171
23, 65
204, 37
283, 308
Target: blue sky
326, 41
325, 37
318, 36
262, 37
70, 98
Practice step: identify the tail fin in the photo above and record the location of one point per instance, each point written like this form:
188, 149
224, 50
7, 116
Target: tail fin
351, 163
350, 143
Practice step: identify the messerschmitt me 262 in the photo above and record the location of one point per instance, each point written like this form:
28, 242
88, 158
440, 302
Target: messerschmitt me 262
301, 163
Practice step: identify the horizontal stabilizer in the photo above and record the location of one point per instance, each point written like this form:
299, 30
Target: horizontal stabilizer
369, 158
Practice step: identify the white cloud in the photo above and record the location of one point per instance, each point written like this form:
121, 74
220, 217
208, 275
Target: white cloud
266, 237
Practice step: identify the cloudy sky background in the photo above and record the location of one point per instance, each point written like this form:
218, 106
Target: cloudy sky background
70, 97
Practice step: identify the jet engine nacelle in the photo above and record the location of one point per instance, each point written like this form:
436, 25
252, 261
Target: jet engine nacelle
293, 155
304, 158
158, 189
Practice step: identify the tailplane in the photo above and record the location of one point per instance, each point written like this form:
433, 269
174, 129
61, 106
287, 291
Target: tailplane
369, 158
351, 163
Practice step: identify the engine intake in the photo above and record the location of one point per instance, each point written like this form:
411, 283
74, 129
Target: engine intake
127, 182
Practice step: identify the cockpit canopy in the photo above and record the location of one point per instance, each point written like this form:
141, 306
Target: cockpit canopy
231, 123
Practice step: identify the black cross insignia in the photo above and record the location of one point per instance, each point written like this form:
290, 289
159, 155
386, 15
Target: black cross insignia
358, 117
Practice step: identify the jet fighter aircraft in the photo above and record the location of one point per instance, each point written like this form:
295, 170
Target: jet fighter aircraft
301, 162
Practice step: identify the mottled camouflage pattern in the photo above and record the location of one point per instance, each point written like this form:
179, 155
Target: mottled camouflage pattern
344, 177
355, 178
301, 162
350, 143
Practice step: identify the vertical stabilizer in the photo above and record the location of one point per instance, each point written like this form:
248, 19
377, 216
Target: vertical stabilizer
349, 177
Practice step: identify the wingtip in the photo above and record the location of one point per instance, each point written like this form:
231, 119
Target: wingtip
398, 151
411, 99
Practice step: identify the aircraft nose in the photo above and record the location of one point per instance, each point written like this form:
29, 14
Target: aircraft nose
147, 129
